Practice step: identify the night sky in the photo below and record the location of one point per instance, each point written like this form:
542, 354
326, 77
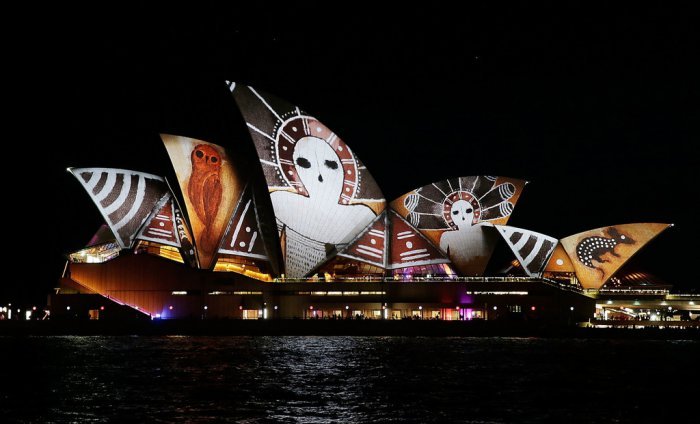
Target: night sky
597, 108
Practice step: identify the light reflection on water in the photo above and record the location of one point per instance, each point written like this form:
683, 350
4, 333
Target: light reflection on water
343, 379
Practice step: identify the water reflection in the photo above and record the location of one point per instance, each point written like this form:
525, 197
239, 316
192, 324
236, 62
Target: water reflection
339, 379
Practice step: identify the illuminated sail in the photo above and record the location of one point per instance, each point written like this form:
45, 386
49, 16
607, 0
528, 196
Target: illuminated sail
598, 254
243, 234
532, 249
559, 261
211, 188
161, 226
370, 246
322, 195
410, 248
452, 214
124, 198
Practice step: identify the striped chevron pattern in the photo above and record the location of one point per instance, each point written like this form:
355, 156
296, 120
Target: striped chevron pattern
532, 249
124, 198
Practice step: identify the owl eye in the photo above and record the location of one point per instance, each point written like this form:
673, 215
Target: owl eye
455, 212
199, 154
470, 210
332, 164
214, 159
304, 163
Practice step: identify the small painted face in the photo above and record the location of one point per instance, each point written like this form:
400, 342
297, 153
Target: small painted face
204, 156
319, 169
462, 213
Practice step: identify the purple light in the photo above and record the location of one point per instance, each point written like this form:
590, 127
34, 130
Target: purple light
465, 299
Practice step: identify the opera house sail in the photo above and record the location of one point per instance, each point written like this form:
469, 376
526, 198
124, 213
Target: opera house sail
322, 194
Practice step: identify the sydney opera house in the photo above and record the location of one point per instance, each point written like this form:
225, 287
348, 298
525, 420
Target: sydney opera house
289, 223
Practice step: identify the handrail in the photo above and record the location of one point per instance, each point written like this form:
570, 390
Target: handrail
634, 291
412, 279
431, 279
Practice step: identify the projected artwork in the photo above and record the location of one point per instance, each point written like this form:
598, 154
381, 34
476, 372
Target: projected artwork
185, 236
210, 187
125, 198
457, 214
559, 261
243, 235
410, 248
160, 226
531, 249
401, 247
370, 246
322, 194
597, 254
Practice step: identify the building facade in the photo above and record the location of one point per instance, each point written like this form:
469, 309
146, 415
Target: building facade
290, 224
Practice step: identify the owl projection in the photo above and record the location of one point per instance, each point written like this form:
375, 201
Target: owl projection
211, 188
205, 190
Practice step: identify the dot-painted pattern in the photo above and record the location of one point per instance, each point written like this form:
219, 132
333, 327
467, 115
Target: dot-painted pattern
594, 248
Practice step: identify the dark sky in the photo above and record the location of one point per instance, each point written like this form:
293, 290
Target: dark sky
596, 107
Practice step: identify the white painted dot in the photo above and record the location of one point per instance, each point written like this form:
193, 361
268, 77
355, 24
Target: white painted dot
373, 241
347, 189
340, 148
622, 237
284, 148
560, 262
318, 129
162, 224
242, 244
349, 172
290, 172
294, 129
409, 244
247, 229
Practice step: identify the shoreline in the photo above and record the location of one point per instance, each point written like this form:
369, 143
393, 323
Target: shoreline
335, 328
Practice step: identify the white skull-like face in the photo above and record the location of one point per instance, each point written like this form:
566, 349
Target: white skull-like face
319, 169
462, 213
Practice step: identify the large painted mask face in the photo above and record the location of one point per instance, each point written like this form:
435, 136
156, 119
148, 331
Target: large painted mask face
462, 214
319, 169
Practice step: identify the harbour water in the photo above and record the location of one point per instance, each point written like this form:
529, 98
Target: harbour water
346, 379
